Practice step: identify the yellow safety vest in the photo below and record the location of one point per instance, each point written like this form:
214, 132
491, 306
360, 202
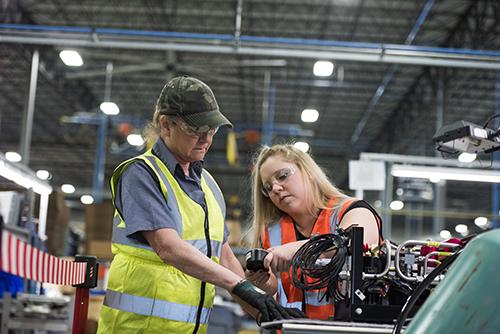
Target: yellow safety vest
146, 295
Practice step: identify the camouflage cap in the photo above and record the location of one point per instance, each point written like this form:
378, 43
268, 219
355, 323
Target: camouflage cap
193, 101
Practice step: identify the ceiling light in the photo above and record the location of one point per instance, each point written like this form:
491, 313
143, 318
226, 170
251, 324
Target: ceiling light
323, 68
445, 234
444, 173
87, 199
68, 188
71, 58
481, 221
135, 139
461, 228
302, 145
13, 156
377, 203
467, 157
309, 115
109, 108
396, 205
43, 174
23, 177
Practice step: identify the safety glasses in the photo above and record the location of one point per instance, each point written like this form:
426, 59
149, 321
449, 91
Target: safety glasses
196, 132
279, 177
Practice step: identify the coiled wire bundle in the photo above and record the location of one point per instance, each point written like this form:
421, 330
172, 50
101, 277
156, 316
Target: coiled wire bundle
311, 269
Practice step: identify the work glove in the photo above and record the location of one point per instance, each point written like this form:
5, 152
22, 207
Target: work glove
268, 307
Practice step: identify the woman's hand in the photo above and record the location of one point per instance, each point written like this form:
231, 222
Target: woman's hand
265, 280
279, 258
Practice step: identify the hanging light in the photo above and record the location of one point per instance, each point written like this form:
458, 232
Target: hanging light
135, 139
323, 68
396, 205
467, 157
71, 58
87, 199
309, 115
109, 108
68, 188
302, 145
13, 156
43, 174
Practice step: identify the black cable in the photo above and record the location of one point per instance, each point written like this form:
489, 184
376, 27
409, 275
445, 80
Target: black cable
489, 120
308, 274
410, 303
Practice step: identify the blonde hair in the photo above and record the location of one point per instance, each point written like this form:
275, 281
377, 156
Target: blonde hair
319, 189
152, 130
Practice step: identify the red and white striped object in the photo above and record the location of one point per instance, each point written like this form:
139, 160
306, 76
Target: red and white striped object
19, 258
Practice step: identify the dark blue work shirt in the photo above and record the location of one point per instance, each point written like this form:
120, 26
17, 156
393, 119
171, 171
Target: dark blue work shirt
140, 199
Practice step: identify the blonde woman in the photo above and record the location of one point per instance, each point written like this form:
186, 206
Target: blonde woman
293, 200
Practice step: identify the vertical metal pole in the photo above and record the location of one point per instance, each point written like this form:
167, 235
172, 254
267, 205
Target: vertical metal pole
272, 109
439, 187
495, 196
100, 155
237, 23
386, 201
29, 110
100, 158
81, 310
266, 135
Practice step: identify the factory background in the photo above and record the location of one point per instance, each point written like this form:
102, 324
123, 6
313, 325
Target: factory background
362, 85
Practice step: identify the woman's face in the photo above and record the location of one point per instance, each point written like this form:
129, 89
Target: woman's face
283, 183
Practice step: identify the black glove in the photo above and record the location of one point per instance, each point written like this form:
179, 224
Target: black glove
269, 309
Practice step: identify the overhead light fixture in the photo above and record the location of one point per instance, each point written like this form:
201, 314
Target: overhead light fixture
135, 139
481, 221
109, 108
302, 145
445, 234
323, 68
87, 199
13, 156
68, 188
467, 157
445, 173
25, 178
71, 58
309, 115
43, 174
396, 205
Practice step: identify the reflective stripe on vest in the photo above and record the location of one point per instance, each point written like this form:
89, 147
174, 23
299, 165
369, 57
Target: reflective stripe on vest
216, 191
154, 307
171, 200
282, 297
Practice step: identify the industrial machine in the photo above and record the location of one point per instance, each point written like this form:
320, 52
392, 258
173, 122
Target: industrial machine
368, 284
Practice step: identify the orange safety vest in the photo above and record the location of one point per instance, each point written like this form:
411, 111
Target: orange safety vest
283, 233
